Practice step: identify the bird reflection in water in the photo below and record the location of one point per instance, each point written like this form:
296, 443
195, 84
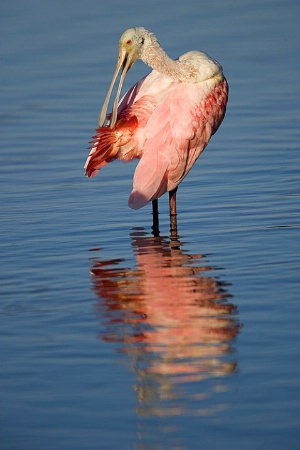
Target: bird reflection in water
172, 316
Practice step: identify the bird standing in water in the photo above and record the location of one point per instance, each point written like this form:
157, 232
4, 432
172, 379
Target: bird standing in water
166, 119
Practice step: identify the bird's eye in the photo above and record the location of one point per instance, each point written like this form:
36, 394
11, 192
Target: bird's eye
129, 42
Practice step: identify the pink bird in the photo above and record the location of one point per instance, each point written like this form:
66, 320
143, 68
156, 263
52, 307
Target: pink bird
166, 119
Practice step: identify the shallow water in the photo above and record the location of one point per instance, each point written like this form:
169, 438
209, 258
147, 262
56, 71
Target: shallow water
111, 338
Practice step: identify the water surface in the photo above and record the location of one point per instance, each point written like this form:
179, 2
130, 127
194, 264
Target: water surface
111, 338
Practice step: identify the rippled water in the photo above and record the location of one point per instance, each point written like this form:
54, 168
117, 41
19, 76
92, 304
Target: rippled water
111, 338
173, 320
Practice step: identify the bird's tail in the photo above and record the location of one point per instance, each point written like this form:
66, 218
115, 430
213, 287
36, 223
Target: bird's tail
106, 144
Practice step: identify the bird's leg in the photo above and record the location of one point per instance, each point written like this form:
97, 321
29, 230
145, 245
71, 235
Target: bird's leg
155, 226
173, 213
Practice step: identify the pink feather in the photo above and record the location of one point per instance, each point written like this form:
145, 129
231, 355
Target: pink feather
166, 123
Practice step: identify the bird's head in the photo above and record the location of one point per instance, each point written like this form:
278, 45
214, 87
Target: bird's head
130, 46
130, 49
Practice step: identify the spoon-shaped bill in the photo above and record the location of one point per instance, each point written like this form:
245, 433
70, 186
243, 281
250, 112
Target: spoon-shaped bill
124, 61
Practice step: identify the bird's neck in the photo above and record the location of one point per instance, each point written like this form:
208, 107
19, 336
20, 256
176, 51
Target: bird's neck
156, 58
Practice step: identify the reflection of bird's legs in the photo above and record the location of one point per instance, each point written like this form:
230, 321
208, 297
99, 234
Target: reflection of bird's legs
173, 212
155, 226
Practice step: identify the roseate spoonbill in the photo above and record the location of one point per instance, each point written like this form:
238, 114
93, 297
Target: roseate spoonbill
166, 119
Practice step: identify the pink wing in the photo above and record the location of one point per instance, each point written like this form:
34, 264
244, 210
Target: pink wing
125, 140
176, 133
165, 123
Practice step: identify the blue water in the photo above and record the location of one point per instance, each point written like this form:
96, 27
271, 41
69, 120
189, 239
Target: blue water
111, 338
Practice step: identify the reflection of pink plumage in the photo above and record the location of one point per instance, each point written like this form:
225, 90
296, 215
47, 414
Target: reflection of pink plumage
166, 119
